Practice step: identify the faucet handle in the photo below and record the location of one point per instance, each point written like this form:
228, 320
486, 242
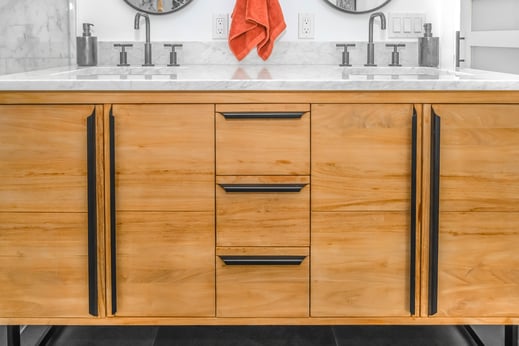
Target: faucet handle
345, 53
123, 54
173, 53
395, 55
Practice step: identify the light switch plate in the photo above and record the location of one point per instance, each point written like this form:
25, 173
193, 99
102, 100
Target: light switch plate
405, 25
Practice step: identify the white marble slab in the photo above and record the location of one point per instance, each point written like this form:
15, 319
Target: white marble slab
257, 77
35, 34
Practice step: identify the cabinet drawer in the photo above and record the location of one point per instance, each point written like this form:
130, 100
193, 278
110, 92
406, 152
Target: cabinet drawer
263, 211
258, 282
262, 140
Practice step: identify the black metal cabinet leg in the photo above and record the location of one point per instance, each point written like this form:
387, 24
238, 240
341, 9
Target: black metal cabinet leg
13, 335
473, 335
511, 336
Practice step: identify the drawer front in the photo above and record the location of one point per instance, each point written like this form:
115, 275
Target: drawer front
263, 211
262, 140
262, 282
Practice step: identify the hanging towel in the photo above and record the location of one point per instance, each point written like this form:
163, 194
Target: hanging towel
255, 23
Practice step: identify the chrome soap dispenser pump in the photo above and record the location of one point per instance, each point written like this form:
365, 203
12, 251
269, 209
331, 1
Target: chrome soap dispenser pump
428, 48
86, 46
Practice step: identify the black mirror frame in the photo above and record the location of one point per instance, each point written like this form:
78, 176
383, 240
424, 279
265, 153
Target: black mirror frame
157, 13
357, 12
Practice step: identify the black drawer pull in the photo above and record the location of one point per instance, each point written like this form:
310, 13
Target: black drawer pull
262, 187
262, 115
262, 260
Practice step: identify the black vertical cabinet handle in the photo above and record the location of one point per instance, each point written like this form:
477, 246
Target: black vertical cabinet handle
262, 115
412, 267
113, 224
92, 214
434, 214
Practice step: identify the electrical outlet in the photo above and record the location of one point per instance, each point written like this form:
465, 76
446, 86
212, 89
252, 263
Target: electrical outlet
220, 26
306, 25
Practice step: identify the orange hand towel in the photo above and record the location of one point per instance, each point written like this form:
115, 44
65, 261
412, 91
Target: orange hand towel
255, 23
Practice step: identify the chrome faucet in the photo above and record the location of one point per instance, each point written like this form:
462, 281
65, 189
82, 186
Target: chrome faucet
371, 45
147, 45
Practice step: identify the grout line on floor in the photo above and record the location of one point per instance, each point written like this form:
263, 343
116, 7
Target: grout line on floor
154, 340
334, 336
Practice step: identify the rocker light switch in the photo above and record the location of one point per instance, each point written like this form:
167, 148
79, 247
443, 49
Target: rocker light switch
397, 25
417, 24
407, 24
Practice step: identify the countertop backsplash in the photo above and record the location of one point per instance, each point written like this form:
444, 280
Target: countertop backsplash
284, 53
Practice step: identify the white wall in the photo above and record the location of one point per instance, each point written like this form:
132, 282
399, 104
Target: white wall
113, 19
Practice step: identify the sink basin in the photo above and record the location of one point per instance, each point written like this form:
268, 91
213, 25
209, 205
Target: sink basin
395, 72
391, 70
123, 72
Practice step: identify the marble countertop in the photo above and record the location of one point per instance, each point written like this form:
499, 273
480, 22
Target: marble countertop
256, 78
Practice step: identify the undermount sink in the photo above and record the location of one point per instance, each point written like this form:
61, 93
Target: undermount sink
123, 72
390, 70
397, 72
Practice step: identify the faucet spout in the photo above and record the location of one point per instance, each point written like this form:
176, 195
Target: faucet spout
147, 44
371, 45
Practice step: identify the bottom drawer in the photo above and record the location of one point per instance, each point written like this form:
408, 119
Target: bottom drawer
262, 282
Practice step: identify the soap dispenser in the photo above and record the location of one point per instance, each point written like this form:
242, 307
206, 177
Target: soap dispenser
86, 47
428, 48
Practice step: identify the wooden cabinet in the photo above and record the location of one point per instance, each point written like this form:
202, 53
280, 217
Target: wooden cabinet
47, 215
476, 213
363, 239
234, 208
163, 244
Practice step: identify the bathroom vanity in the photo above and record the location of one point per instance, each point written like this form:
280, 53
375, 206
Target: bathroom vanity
333, 197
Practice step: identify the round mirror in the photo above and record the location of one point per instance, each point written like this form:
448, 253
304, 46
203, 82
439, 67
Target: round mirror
158, 6
357, 6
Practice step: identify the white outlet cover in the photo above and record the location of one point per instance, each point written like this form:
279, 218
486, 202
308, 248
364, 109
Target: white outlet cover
306, 26
220, 26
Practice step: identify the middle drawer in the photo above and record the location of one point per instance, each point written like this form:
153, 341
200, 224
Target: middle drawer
263, 211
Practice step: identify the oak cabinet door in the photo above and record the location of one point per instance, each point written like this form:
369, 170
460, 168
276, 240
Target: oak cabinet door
478, 232
44, 236
363, 243
360, 264
163, 244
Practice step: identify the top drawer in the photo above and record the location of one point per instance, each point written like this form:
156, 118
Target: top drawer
263, 139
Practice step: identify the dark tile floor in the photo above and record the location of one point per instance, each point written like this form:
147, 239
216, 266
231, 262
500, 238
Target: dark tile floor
263, 336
